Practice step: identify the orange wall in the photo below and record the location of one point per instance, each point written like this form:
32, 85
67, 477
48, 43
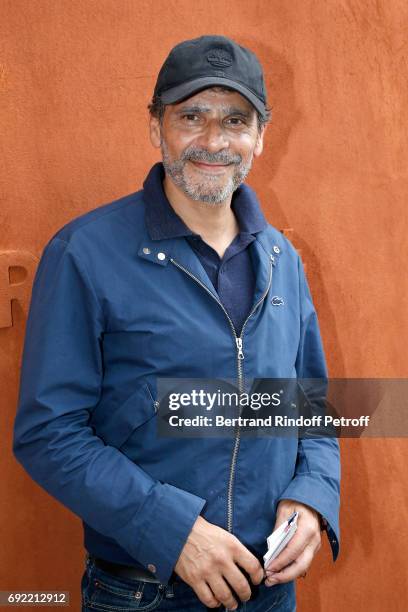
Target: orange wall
75, 79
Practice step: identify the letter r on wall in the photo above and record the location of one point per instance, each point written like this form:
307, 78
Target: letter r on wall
17, 269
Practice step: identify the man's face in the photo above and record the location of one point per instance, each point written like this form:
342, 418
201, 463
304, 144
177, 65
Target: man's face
208, 143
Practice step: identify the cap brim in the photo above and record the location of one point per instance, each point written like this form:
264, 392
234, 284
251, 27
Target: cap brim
179, 93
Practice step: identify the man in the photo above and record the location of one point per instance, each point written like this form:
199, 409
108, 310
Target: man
183, 279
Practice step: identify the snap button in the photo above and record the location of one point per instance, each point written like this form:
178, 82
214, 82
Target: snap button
138, 594
151, 568
146, 251
156, 405
276, 249
161, 256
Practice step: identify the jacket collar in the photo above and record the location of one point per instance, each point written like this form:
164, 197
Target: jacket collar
165, 228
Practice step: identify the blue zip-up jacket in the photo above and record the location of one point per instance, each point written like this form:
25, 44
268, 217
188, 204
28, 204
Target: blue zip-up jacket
111, 312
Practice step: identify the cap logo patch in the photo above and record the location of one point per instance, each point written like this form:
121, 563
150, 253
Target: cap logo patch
219, 58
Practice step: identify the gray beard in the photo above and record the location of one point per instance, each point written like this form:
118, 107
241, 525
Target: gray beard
204, 191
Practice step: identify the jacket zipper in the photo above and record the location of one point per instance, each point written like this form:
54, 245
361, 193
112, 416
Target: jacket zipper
240, 357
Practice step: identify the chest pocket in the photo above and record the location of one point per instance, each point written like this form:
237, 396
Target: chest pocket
137, 409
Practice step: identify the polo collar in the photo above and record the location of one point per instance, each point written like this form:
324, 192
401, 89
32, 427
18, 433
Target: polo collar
163, 222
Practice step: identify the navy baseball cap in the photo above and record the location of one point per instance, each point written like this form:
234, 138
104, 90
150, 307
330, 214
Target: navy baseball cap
194, 65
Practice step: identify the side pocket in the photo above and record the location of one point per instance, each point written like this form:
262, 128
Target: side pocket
138, 408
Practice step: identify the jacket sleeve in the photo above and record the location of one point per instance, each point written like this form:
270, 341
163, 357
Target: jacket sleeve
316, 482
61, 377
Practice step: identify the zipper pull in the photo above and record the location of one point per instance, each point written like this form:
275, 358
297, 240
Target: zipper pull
240, 351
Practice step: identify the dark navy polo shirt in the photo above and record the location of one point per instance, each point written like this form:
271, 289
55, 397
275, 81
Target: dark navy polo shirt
232, 275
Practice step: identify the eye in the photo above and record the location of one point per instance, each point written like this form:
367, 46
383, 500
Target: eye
190, 117
235, 121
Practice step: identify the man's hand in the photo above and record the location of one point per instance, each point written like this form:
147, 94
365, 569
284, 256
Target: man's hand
210, 563
296, 557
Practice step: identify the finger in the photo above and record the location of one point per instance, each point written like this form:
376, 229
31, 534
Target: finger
294, 570
245, 559
270, 572
238, 582
223, 593
206, 596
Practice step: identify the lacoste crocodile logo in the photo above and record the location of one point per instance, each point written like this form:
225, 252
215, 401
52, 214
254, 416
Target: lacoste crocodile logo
277, 301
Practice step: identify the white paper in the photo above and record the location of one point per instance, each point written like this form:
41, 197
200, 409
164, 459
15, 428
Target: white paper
280, 538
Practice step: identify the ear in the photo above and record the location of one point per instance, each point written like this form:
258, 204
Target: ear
259, 141
155, 132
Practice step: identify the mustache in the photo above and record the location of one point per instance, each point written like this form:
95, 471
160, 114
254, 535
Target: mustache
201, 155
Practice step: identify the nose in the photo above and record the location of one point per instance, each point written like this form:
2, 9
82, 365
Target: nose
214, 137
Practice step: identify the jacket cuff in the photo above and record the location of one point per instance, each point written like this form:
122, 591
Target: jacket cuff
305, 491
331, 536
157, 540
